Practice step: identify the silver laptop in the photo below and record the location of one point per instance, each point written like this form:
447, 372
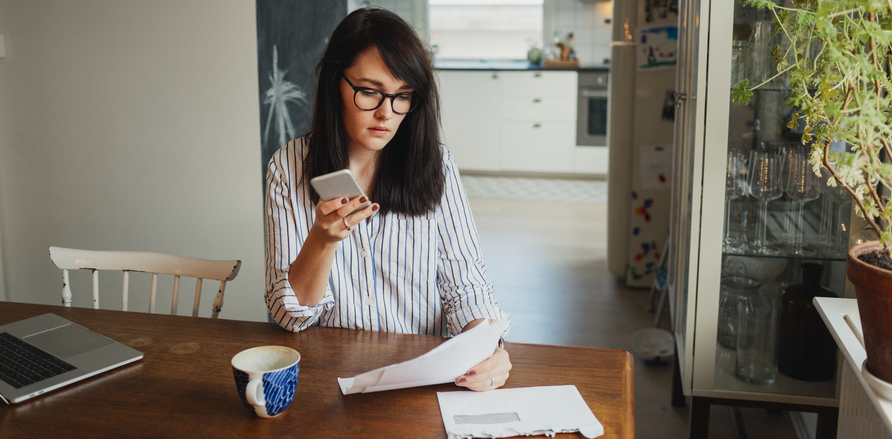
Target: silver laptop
46, 352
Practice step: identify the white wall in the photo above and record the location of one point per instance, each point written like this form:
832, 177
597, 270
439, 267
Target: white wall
591, 34
129, 125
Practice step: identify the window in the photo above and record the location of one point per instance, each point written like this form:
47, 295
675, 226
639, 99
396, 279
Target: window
485, 29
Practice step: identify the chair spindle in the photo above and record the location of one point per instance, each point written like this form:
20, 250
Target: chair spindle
66, 289
125, 290
197, 297
95, 289
176, 290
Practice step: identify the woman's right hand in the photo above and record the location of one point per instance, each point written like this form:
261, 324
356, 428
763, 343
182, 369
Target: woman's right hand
333, 219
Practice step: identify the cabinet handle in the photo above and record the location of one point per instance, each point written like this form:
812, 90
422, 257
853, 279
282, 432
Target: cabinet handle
537, 125
495, 76
680, 98
537, 100
537, 75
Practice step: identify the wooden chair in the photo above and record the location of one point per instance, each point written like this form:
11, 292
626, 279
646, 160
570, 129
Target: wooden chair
155, 263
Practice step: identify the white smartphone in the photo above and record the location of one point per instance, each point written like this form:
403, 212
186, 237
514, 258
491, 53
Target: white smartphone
338, 184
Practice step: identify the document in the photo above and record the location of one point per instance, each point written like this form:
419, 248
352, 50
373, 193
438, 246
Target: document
527, 411
442, 364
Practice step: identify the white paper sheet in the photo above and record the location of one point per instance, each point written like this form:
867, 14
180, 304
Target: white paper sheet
527, 411
442, 364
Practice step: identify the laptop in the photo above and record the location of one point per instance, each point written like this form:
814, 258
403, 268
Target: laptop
47, 352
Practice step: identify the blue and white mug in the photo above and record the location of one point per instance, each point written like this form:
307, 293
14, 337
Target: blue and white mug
266, 378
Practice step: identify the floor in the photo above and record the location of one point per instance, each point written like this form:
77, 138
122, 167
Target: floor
547, 262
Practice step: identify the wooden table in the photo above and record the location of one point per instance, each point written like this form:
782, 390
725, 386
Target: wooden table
184, 386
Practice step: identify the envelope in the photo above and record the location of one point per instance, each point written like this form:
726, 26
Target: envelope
442, 364
525, 411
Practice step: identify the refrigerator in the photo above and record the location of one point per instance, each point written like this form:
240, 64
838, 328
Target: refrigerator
642, 109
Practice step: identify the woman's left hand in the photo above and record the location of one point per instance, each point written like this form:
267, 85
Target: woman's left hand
488, 375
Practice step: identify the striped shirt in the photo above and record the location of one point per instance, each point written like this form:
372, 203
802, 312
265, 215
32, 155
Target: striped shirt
394, 273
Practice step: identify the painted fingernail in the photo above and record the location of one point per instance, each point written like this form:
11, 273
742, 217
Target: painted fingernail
461, 380
374, 208
472, 373
363, 200
343, 201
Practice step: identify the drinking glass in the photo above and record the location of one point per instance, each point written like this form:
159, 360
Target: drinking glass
731, 289
839, 220
756, 361
802, 187
787, 150
764, 183
734, 189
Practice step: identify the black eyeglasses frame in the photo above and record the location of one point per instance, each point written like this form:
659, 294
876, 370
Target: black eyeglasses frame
384, 96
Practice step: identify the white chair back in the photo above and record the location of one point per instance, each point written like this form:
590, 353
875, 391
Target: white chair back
154, 263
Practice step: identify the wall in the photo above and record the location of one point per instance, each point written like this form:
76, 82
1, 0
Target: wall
588, 21
129, 125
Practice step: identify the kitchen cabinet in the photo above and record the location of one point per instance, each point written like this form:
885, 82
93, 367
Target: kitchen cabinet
510, 120
469, 109
699, 256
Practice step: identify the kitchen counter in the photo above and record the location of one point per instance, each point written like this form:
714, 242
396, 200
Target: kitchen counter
511, 65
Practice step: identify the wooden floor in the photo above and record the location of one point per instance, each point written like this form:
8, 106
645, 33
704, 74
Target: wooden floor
547, 263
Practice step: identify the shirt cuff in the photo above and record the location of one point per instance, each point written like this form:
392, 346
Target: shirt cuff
287, 311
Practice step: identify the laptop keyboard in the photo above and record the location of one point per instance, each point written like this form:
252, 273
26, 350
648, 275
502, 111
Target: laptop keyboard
22, 364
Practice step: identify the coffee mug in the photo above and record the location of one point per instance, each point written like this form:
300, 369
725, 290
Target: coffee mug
266, 378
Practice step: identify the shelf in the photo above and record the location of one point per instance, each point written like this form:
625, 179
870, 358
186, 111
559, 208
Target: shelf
778, 222
725, 380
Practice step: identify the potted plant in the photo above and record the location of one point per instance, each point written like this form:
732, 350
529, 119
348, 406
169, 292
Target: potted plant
837, 56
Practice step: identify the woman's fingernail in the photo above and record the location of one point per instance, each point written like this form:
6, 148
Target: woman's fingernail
472, 373
461, 380
343, 201
374, 208
363, 200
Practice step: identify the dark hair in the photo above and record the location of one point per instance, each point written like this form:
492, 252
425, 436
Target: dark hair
410, 177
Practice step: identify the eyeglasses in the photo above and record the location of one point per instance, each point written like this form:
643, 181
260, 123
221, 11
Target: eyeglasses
368, 99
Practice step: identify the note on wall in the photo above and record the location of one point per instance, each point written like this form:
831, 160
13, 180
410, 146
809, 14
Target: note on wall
656, 166
657, 47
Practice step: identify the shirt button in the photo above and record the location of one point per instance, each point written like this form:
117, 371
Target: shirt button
365, 253
368, 301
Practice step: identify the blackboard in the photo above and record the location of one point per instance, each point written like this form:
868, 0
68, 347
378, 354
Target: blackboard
291, 36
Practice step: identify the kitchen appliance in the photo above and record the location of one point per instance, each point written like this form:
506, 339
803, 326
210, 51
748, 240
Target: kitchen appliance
591, 108
639, 174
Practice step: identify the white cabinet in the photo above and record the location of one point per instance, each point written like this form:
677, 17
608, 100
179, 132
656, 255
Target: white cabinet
708, 128
510, 120
469, 108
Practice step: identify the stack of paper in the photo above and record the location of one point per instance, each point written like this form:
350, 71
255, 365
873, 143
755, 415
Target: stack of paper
442, 364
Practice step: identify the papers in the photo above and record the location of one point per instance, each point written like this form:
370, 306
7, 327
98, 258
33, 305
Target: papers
442, 364
525, 411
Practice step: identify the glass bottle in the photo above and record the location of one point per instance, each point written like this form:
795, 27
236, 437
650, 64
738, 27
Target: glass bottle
806, 350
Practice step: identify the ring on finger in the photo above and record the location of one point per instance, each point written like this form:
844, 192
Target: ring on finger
492, 381
349, 228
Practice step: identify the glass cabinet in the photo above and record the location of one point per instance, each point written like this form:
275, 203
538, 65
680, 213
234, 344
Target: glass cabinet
750, 214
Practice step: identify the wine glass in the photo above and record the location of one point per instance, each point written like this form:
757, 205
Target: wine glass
840, 219
765, 185
787, 150
802, 187
734, 189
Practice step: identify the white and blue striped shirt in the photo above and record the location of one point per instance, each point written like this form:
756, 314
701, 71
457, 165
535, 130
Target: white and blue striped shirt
394, 273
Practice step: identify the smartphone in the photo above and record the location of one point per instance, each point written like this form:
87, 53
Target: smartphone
338, 184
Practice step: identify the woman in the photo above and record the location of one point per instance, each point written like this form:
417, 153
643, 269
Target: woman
410, 261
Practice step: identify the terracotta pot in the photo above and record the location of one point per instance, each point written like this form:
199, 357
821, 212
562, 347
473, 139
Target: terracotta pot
873, 289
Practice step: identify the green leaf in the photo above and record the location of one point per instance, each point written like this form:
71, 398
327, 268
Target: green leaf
886, 237
833, 109
741, 94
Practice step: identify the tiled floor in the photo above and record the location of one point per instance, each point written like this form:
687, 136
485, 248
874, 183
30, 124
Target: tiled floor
570, 191
547, 261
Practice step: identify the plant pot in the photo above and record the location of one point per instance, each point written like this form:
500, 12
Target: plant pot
873, 290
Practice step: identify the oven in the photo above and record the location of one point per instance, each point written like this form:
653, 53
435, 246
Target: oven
592, 108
